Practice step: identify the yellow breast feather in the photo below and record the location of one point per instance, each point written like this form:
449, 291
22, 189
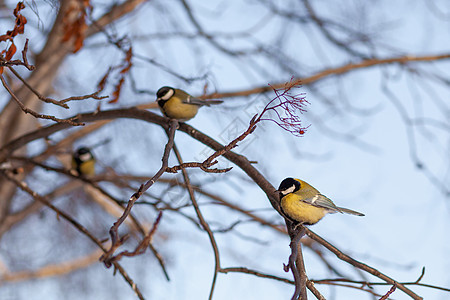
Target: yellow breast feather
176, 109
300, 211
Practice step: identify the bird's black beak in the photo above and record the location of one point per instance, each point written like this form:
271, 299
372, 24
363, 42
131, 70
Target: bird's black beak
161, 102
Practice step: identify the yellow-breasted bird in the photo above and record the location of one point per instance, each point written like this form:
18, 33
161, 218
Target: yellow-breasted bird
177, 104
302, 203
83, 161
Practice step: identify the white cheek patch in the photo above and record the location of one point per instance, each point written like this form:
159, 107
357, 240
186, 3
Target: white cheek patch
288, 191
168, 95
85, 157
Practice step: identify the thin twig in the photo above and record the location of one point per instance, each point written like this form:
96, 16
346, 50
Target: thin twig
366, 283
421, 275
312, 288
24, 57
361, 288
62, 102
26, 110
142, 246
256, 273
179, 167
202, 221
18, 62
391, 290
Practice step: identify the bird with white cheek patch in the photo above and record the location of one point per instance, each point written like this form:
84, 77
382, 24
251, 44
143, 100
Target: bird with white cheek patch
177, 104
83, 161
302, 203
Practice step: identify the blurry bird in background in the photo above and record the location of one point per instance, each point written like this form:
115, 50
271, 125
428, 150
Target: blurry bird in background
83, 161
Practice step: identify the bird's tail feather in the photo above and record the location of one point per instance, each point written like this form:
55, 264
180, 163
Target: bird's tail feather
209, 102
351, 212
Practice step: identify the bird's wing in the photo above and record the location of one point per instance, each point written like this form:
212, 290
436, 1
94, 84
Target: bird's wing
320, 200
197, 101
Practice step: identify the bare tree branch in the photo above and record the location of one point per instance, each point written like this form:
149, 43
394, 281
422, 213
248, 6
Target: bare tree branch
27, 110
116, 241
253, 272
54, 269
329, 72
203, 222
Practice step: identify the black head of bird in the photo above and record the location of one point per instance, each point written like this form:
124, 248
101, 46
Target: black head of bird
288, 185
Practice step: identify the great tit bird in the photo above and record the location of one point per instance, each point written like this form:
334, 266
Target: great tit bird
302, 203
177, 104
83, 161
